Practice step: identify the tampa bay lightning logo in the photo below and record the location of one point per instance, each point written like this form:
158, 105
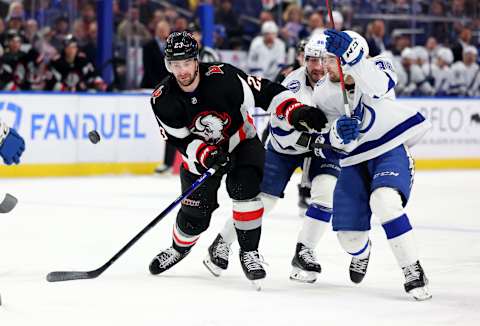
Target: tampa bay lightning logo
370, 116
15, 109
294, 85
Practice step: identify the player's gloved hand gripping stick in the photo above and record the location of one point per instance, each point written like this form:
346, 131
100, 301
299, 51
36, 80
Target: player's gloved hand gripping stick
74, 275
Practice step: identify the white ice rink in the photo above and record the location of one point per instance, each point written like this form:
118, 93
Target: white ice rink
79, 223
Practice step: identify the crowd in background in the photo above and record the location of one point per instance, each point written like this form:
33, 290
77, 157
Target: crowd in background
51, 44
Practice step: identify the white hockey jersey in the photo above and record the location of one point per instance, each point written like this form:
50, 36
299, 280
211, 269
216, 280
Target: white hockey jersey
442, 78
283, 137
263, 61
412, 81
467, 78
385, 123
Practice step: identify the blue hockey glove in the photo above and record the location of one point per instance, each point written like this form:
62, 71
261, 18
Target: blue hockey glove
347, 129
343, 46
12, 146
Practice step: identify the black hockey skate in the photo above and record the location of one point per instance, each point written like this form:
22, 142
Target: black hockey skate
358, 268
217, 257
416, 282
305, 265
252, 265
165, 260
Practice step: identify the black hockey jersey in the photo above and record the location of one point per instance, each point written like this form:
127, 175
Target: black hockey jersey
77, 76
13, 74
216, 113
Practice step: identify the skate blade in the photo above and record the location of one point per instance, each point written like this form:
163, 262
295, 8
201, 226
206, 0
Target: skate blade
299, 275
421, 294
214, 269
257, 284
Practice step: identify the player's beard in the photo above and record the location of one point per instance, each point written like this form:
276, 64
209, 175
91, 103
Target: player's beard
315, 75
187, 82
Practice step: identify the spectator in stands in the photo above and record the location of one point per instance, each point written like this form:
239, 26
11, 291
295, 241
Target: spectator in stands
266, 55
81, 26
466, 73
131, 28
464, 40
439, 29
153, 57
16, 10
157, 17
375, 42
14, 64
266, 16
146, 10
315, 22
400, 42
229, 19
72, 72
45, 47
60, 32
31, 32
180, 24
205, 53
170, 15
292, 17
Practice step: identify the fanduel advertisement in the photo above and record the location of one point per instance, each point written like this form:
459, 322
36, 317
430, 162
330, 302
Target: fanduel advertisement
56, 127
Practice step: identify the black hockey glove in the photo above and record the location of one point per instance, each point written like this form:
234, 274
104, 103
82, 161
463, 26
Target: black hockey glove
305, 118
211, 155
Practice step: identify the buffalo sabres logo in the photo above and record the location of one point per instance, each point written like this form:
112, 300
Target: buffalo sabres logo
211, 126
214, 70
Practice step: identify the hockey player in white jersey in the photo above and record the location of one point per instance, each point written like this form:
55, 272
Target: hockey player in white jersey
286, 150
466, 73
12, 144
377, 172
441, 72
411, 79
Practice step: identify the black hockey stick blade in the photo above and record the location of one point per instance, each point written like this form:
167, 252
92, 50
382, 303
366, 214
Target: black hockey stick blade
74, 275
8, 203
69, 276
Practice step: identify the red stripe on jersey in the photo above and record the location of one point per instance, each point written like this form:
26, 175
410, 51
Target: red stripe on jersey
241, 132
248, 216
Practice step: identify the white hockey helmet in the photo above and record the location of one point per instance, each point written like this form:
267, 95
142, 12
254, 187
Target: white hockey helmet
408, 53
446, 55
470, 49
421, 53
316, 46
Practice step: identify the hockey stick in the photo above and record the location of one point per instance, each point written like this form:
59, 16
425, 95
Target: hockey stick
73, 275
8, 203
342, 81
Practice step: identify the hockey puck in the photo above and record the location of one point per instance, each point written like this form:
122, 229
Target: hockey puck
94, 136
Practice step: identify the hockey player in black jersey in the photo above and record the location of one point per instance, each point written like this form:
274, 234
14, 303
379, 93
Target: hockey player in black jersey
201, 109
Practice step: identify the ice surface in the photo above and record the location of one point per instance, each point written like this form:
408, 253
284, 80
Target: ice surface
79, 223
